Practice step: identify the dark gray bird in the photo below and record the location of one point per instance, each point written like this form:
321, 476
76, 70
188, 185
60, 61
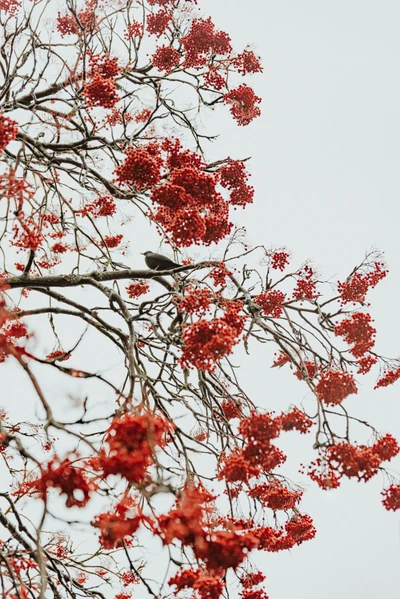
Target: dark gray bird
158, 261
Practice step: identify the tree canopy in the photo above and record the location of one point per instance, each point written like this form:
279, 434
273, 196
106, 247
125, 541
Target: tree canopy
103, 136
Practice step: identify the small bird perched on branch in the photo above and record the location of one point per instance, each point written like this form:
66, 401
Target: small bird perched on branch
159, 262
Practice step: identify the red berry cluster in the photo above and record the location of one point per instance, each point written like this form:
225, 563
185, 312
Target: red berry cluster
86, 21
142, 116
10, 332
137, 289
308, 371
388, 378
59, 248
214, 80
202, 42
130, 443
233, 176
191, 208
166, 58
358, 331
247, 62
177, 157
135, 29
279, 260
16, 329
59, 355
257, 454
391, 497
129, 578
353, 461
299, 529
27, 234
103, 206
158, 22
104, 65
275, 496
196, 301
207, 342
365, 364
306, 285
10, 6
101, 92
281, 359
187, 203
8, 131
112, 241
231, 410
356, 287
219, 274
217, 549
252, 579
207, 587
271, 302
295, 419
243, 104
65, 476
334, 386
140, 169
115, 526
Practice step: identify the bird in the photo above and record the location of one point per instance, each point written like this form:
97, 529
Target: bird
158, 261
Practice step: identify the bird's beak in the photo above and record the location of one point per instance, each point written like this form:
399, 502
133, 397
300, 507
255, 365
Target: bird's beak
142, 253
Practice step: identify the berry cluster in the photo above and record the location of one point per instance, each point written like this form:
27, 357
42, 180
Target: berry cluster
279, 260
353, 461
207, 342
104, 65
115, 526
100, 91
271, 302
158, 22
308, 370
334, 386
103, 206
165, 58
10, 6
8, 131
247, 62
358, 331
388, 378
130, 443
243, 104
305, 285
233, 176
258, 454
391, 497
356, 287
202, 42
112, 241
65, 476
137, 289
84, 22
295, 419
276, 496
140, 169
196, 301
135, 29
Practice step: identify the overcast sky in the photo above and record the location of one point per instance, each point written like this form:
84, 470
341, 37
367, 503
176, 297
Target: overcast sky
326, 170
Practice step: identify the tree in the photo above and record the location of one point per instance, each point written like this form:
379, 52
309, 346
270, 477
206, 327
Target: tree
100, 132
